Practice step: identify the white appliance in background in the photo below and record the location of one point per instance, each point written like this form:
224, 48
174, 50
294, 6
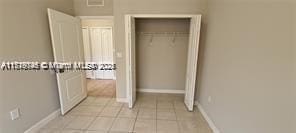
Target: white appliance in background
98, 47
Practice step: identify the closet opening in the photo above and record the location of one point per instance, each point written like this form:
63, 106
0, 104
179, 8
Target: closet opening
162, 57
161, 53
99, 48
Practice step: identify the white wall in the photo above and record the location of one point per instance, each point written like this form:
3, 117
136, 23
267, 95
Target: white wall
247, 66
294, 67
160, 62
97, 23
81, 8
25, 36
1, 77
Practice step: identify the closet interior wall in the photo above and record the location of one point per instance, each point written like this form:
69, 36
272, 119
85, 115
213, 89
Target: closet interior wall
161, 53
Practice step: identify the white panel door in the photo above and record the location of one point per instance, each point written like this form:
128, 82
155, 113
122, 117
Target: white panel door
107, 53
66, 36
192, 61
97, 51
87, 51
131, 57
102, 51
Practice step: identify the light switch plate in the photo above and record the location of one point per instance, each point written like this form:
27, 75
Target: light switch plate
119, 55
15, 114
209, 99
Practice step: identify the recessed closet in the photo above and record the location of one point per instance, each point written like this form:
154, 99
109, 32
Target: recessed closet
161, 54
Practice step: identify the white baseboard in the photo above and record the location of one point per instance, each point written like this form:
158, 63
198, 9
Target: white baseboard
121, 100
160, 91
35, 128
207, 118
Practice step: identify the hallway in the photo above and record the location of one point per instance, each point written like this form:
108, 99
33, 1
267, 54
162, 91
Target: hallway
153, 113
101, 88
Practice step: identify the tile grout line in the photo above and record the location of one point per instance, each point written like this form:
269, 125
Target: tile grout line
117, 115
115, 118
96, 117
75, 116
64, 127
156, 112
179, 130
133, 130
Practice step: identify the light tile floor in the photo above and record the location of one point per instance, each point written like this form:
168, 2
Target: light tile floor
153, 113
101, 88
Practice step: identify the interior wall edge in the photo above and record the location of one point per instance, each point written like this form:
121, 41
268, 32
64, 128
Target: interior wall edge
207, 117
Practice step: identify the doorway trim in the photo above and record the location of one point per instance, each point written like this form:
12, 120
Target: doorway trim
194, 31
113, 40
96, 17
113, 49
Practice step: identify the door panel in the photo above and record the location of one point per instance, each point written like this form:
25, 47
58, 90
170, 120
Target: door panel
68, 30
102, 50
131, 69
107, 52
192, 62
73, 86
97, 51
133, 59
87, 51
67, 46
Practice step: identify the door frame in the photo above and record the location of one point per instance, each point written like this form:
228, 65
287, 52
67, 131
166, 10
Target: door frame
113, 39
113, 51
112, 28
130, 54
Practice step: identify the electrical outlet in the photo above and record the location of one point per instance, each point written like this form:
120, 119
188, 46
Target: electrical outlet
209, 99
15, 114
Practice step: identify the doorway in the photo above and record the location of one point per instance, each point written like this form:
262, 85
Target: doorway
68, 43
167, 52
97, 35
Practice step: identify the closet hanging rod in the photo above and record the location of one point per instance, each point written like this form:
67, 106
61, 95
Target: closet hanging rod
163, 32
